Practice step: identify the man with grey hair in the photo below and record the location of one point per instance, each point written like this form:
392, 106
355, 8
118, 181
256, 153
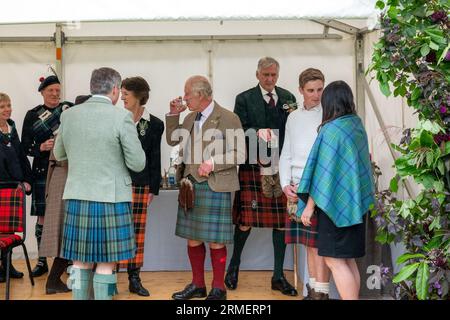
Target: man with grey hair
212, 177
258, 203
100, 142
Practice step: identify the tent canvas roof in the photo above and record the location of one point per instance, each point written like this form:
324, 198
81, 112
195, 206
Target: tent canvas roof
44, 11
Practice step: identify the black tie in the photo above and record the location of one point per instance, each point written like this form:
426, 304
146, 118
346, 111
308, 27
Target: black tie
198, 116
271, 100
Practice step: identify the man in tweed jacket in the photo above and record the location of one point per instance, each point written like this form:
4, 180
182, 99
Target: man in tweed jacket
212, 146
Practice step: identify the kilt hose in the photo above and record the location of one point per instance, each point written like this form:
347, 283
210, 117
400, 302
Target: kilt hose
38, 197
98, 231
210, 219
296, 232
251, 208
139, 209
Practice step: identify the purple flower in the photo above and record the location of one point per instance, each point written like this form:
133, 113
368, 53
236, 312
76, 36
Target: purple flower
447, 58
384, 270
437, 286
439, 16
443, 109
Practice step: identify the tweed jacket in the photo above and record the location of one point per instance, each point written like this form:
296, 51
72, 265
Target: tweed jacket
100, 142
224, 177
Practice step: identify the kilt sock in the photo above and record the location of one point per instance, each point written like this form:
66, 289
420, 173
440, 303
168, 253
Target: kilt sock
38, 233
218, 261
279, 250
240, 237
197, 258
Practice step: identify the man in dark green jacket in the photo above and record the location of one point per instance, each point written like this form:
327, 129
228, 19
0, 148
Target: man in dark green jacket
263, 117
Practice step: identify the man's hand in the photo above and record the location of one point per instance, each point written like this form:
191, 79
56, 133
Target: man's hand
205, 168
177, 106
265, 134
291, 192
27, 186
47, 145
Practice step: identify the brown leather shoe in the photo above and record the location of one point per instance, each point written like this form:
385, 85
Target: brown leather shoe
311, 293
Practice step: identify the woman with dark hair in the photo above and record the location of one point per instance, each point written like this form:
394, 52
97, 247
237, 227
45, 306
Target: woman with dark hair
14, 165
135, 94
337, 184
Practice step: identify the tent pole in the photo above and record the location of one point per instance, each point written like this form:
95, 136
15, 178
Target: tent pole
59, 38
359, 69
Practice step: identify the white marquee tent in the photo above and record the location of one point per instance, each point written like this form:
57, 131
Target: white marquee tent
168, 41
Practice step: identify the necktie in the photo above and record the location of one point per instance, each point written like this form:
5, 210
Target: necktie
198, 116
271, 100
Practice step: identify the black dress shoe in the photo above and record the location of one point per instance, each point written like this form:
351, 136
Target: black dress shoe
284, 286
189, 292
217, 294
13, 273
40, 269
231, 278
135, 285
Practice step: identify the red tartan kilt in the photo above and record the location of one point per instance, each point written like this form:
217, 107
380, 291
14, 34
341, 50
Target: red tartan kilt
251, 208
139, 208
298, 233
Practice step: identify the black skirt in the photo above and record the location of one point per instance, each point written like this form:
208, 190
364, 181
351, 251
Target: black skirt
343, 243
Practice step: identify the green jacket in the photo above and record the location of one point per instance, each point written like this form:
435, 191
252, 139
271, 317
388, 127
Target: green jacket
100, 142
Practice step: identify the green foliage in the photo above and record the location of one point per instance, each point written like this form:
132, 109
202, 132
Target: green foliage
412, 60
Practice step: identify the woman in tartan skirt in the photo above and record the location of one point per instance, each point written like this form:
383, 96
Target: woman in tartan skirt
301, 132
135, 94
14, 165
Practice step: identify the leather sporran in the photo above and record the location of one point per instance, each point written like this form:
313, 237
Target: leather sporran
271, 186
186, 195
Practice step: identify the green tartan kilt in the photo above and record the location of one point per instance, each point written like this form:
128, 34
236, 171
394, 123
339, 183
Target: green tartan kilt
210, 220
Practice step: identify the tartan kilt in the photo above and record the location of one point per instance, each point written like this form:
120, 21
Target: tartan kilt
251, 208
296, 232
38, 197
98, 231
11, 209
210, 219
139, 209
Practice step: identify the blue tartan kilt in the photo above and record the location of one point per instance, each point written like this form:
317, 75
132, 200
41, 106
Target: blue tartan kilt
38, 197
210, 220
98, 231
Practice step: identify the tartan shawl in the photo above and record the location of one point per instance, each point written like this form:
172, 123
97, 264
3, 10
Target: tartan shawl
338, 174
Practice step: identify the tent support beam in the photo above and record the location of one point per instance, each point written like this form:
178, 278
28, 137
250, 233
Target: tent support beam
199, 38
380, 120
337, 25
